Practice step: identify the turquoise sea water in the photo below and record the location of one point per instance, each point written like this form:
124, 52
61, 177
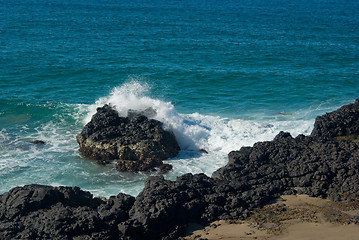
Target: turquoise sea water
221, 75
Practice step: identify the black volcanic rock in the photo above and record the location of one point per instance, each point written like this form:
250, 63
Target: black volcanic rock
138, 143
342, 122
163, 208
300, 165
44, 212
318, 166
116, 209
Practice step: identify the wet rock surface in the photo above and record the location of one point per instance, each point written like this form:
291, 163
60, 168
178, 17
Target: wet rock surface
38, 142
317, 166
136, 142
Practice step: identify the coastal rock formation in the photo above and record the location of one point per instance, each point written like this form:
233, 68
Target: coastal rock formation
290, 165
44, 212
253, 177
318, 166
342, 122
138, 143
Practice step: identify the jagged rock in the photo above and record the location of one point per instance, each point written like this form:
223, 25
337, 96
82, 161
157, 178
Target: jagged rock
44, 212
318, 166
138, 143
116, 209
314, 166
342, 122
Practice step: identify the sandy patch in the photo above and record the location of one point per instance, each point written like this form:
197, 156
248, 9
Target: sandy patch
290, 217
327, 231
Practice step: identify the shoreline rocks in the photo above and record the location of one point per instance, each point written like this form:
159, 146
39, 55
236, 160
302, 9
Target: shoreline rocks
317, 165
341, 122
135, 142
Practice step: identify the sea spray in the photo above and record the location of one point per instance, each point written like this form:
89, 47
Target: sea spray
248, 74
196, 131
58, 162
132, 96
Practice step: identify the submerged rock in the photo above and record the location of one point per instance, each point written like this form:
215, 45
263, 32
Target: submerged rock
138, 143
38, 142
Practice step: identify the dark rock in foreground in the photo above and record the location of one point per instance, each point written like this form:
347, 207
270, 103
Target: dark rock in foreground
342, 122
318, 166
138, 143
44, 212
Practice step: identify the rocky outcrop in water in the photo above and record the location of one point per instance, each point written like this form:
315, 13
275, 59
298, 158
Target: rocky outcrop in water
136, 142
318, 166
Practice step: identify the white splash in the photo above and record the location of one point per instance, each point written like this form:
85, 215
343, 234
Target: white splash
58, 162
196, 131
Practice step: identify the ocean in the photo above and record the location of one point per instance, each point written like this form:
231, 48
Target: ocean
220, 74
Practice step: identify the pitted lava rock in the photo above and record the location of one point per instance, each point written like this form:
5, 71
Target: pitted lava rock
136, 142
342, 122
318, 166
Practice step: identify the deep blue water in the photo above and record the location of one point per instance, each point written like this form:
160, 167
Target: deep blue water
221, 74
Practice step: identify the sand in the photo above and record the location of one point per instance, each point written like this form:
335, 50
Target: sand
289, 218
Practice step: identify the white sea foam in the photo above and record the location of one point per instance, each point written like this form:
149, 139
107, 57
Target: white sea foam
59, 162
217, 135
196, 131
133, 96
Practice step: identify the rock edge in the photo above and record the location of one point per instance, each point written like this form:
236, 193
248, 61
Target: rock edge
315, 165
135, 142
